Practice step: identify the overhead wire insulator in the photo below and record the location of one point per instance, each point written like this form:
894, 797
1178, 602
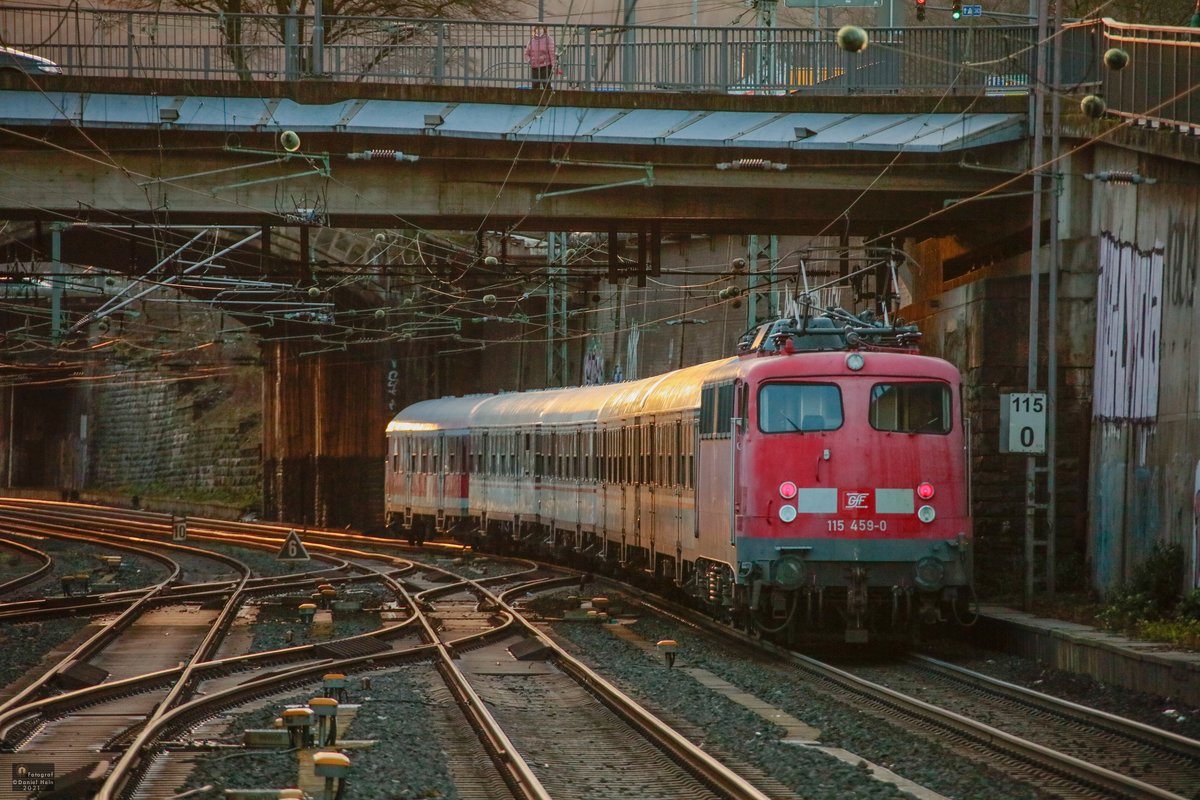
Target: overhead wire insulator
1119, 176
752, 163
381, 155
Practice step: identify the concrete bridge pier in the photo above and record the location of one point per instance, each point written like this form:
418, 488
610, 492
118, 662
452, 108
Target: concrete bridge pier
324, 416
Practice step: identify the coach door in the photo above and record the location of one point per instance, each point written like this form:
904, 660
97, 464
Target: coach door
733, 420
440, 463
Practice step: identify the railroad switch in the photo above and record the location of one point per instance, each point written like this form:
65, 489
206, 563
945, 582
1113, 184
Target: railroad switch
333, 767
80, 583
264, 794
326, 709
266, 737
667, 648
299, 721
322, 624
335, 686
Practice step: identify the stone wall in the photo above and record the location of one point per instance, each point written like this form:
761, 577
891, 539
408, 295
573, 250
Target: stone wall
185, 424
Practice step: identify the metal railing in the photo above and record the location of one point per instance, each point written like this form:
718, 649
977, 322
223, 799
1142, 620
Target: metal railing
1160, 81
961, 60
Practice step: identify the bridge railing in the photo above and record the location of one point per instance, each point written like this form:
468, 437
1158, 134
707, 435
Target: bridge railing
1159, 83
84, 41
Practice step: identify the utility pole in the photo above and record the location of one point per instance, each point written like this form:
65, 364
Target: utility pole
764, 29
1052, 305
318, 44
56, 282
1038, 100
755, 251
885, 16
629, 67
556, 309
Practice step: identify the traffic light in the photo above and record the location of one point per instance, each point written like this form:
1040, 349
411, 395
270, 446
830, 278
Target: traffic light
956, 10
920, 10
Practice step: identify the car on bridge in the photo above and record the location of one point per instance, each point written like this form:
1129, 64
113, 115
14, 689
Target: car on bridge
18, 61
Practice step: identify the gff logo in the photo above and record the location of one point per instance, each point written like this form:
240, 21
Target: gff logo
857, 499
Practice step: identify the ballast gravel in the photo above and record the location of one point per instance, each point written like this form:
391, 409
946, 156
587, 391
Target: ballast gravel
745, 735
396, 713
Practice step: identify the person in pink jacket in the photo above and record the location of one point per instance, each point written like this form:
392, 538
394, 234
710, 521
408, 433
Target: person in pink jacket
540, 55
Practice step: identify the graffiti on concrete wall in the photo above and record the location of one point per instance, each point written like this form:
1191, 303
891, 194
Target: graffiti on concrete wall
593, 364
1128, 330
1196, 530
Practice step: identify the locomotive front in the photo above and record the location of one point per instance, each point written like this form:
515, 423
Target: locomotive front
851, 500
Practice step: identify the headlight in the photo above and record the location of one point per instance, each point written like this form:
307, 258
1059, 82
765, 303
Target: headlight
787, 513
854, 362
926, 514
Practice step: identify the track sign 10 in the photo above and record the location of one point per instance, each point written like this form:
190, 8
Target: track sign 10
179, 529
1023, 423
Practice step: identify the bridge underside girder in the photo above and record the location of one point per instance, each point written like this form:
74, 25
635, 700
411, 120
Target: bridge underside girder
457, 185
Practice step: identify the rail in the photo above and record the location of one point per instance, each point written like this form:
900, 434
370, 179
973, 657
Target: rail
1160, 82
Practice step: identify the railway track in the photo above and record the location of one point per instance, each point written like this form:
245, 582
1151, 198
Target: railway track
1149, 755
551, 727
1065, 750
529, 717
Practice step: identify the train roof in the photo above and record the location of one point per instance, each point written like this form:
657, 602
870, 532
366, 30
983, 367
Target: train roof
574, 405
446, 413
671, 391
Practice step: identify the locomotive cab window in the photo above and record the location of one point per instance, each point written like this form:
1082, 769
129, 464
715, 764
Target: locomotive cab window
799, 407
916, 407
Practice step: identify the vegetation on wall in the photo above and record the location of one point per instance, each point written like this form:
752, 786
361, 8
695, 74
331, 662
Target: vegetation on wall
1151, 605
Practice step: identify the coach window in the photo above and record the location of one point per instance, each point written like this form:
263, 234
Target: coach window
568, 454
647, 442
689, 460
917, 407
666, 459
708, 411
803, 407
623, 454
724, 410
580, 455
589, 458
610, 455
614, 455
639, 455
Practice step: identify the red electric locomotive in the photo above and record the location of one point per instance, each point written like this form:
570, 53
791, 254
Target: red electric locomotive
814, 483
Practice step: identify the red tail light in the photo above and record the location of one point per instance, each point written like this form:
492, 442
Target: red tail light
787, 490
925, 491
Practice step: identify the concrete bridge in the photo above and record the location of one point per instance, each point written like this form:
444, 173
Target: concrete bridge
936, 182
